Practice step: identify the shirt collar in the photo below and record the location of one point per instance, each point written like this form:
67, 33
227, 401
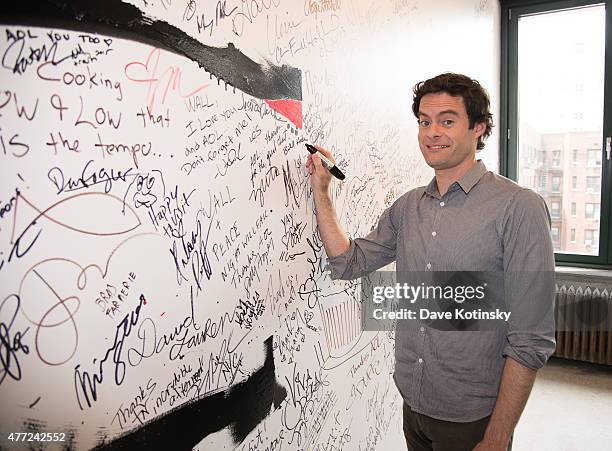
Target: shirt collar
466, 182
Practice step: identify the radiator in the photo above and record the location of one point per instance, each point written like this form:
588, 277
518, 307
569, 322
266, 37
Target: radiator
583, 316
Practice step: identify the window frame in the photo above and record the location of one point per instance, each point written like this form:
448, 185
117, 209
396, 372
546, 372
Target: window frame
510, 11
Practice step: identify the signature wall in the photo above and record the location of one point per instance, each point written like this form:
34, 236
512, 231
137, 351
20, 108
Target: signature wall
162, 277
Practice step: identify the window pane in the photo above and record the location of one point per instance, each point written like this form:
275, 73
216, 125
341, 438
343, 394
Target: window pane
593, 184
594, 157
591, 211
555, 210
591, 238
560, 104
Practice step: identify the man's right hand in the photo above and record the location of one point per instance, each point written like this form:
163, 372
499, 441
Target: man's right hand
320, 177
334, 239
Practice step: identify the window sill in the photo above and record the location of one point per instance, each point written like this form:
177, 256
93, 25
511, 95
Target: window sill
576, 273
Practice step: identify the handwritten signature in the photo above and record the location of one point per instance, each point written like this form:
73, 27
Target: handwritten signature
11, 345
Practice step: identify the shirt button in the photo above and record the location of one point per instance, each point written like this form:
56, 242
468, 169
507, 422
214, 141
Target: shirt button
442, 204
420, 360
428, 265
433, 233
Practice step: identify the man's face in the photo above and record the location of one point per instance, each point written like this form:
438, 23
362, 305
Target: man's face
445, 138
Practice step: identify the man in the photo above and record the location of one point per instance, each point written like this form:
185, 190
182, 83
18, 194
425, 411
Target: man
462, 390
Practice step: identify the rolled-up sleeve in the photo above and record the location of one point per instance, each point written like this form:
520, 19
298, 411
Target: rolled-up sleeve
372, 252
529, 285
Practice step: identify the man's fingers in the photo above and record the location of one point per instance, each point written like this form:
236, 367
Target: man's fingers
309, 165
326, 153
316, 160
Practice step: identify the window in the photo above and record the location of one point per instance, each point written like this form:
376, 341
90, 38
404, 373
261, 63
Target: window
554, 100
594, 157
542, 159
591, 211
593, 183
591, 238
555, 209
542, 183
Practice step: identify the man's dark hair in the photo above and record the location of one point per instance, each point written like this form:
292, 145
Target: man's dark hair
475, 99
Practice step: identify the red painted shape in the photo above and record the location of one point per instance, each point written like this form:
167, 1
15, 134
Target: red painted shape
291, 109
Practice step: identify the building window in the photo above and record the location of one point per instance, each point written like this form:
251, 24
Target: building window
591, 237
542, 159
594, 157
556, 158
593, 184
536, 41
542, 183
555, 210
591, 211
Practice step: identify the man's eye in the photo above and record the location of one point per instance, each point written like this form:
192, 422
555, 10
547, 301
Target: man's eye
448, 122
423, 123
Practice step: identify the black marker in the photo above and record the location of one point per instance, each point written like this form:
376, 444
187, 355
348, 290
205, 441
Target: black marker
331, 167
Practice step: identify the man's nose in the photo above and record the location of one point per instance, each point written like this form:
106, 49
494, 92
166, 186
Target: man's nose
434, 131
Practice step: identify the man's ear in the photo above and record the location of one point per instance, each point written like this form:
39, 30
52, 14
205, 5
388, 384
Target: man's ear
480, 128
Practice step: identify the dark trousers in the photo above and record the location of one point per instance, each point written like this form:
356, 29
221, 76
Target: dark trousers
424, 433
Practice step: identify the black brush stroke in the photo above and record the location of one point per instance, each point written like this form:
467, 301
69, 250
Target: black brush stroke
241, 407
117, 19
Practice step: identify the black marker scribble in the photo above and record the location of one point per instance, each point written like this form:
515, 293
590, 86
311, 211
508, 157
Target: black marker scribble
11, 342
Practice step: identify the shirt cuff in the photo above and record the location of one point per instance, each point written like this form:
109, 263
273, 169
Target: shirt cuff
337, 265
532, 352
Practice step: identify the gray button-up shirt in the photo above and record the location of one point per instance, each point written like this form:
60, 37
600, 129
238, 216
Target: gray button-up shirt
484, 222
